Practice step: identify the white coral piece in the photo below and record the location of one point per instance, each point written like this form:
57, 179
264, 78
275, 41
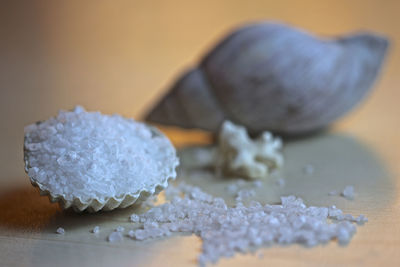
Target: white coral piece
239, 155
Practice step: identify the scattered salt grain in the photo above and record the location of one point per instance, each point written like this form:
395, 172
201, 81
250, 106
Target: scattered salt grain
245, 194
131, 233
308, 169
226, 230
280, 182
96, 230
333, 193
335, 213
348, 192
257, 183
361, 219
232, 189
120, 229
60, 231
115, 237
134, 218
243, 188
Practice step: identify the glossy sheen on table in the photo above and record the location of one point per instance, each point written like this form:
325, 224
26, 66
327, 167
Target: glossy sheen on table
118, 57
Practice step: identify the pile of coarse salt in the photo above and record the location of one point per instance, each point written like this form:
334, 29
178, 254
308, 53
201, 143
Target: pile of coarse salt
90, 156
226, 230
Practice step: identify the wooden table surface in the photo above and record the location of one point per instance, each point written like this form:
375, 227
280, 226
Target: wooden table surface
118, 58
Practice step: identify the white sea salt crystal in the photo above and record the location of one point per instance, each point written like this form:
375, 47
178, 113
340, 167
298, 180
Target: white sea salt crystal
334, 212
140, 234
96, 230
60, 231
333, 193
88, 155
115, 237
308, 169
227, 230
348, 192
245, 194
361, 219
134, 218
150, 225
120, 229
257, 183
349, 217
240, 185
232, 189
131, 233
280, 182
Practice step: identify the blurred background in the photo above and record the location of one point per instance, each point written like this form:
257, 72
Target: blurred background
121, 56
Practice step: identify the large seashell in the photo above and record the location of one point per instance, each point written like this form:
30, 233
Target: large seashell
270, 76
39, 144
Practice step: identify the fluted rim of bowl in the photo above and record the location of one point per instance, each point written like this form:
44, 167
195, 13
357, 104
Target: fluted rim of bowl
109, 203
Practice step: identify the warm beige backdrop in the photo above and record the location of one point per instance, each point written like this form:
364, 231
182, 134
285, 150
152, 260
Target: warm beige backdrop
120, 56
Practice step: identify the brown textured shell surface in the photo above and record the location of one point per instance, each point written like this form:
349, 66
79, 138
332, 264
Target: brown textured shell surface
270, 76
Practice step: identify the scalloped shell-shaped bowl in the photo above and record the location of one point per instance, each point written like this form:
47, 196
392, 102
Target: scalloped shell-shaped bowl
109, 203
95, 205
